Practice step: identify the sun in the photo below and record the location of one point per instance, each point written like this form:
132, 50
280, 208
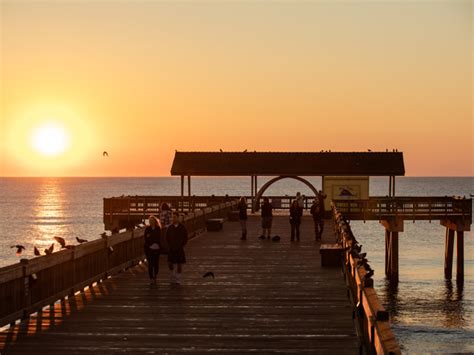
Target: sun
50, 139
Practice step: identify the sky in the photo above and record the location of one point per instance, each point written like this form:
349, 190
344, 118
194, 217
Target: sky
141, 79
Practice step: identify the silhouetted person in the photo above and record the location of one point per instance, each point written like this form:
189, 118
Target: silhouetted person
152, 247
317, 211
243, 217
267, 218
296, 212
177, 237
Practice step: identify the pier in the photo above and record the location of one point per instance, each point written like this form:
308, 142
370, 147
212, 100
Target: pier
266, 297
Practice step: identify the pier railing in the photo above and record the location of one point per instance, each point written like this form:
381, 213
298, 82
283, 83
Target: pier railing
31, 284
128, 211
415, 208
372, 319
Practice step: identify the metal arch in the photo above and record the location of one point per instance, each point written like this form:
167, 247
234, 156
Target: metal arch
278, 178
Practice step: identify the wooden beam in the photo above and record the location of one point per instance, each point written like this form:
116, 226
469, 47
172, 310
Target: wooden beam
387, 252
182, 185
389, 186
459, 224
448, 253
393, 187
395, 224
394, 256
189, 185
460, 256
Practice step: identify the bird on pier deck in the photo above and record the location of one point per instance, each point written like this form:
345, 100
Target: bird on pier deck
80, 241
49, 250
36, 251
220, 150
369, 150
19, 248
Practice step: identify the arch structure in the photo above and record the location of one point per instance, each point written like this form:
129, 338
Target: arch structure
278, 178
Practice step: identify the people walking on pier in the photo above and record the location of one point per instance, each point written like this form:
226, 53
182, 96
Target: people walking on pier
296, 212
267, 218
152, 247
177, 237
243, 217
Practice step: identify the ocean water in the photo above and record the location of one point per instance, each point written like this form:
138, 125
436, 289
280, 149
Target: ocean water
429, 314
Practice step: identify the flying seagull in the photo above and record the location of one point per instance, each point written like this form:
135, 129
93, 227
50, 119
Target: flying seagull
19, 248
79, 240
105, 154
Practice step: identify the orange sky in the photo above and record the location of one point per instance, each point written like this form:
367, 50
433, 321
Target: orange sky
141, 79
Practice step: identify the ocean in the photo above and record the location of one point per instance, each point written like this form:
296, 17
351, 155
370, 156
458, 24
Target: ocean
429, 314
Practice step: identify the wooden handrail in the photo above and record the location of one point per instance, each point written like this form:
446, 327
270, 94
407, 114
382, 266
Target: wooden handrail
26, 287
372, 317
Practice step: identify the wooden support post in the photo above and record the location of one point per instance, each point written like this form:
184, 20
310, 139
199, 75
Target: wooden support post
182, 185
448, 253
387, 252
394, 256
189, 185
393, 186
252, 194
255, 186
389, 186
460, 256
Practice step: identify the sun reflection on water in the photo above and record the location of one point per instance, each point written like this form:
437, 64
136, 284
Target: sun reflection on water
49, 213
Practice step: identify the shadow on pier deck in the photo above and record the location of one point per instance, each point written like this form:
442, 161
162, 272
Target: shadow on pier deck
266, 297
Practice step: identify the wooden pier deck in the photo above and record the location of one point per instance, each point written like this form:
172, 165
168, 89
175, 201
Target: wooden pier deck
267, 297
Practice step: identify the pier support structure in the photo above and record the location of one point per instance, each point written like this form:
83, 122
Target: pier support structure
392, 226
459, 227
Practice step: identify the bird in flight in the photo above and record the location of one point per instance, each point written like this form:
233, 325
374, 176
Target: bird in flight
105, 154
19, 248
209, 274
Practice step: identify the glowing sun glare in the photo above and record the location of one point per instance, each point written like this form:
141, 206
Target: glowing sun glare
50, 139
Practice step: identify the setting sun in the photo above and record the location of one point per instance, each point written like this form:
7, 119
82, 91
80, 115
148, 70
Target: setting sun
50, 139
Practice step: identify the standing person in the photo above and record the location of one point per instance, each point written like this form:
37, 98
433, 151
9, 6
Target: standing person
267, 218
243, 217
300, 199
177, 237
296, 212
152, 247
166, 217
317, 211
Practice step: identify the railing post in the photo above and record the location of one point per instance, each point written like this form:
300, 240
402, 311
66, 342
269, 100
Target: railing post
26, 285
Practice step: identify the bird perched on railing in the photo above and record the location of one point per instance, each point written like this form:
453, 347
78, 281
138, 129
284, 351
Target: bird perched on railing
80, 241
19, 248
36, 251
49, 250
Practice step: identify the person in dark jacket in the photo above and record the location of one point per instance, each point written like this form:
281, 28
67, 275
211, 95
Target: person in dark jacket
152, 247
317, 211
296, 212
243, 217
267, 218
177, 237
